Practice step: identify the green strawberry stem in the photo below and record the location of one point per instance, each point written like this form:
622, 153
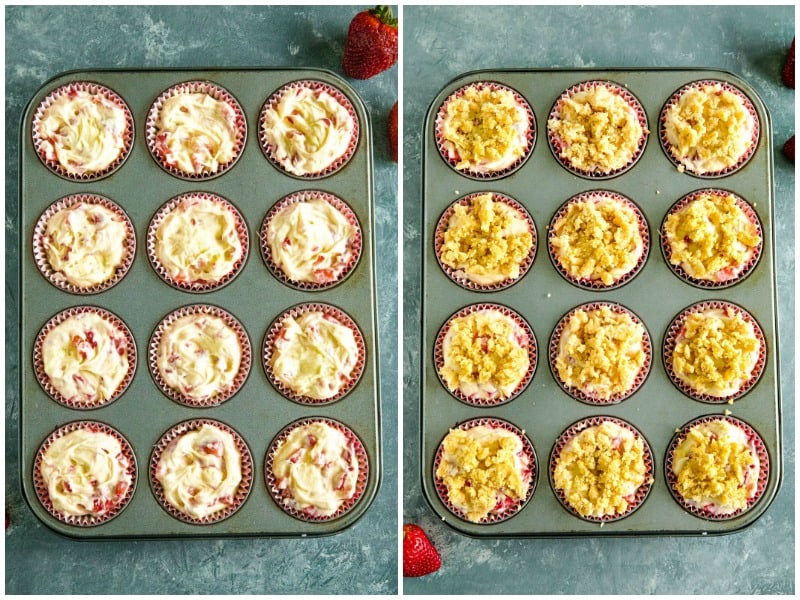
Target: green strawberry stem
384, 14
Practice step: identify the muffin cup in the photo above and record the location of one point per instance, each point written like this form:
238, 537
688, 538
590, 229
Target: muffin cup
748, 266
593, 284
221, 395
667, 147
40, 486
197, 286
281, 497
452, 160
302, 196
763, 471
242, 492
588, 397
40, 252
557, 145
675, 328
505, 512
438, 354
38, 359
333, 313
218, 93
93, 88
318, 86
642, 491
441, 228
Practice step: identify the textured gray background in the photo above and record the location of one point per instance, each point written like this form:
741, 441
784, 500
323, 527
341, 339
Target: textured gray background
44, 41
441, 43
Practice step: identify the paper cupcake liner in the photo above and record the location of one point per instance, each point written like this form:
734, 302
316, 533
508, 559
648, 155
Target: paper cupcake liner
283, 497
196, 286
330, 312
438, 354
218, 93
220, 396
317, 86
38, 359
746, 268
667, 148
586, 396
452, 160
505, 512
94, 88
763, 473
642, 491
594, 284
242, 492
43, 494
463, 281
676, 327
557, 145
302, 196
57, 278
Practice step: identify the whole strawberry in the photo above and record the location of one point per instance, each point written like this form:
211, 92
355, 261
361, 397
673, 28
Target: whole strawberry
371, 45
788, 67
788, 148
393, 131
419, 555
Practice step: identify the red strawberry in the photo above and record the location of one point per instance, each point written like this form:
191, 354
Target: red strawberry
788, 67
393, 131
371, 45
788, 148
419, 556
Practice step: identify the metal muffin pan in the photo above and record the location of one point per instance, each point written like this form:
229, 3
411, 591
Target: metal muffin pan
542, 296
255, 297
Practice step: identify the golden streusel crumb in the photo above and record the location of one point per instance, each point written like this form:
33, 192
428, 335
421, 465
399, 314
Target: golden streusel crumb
601, 352
711, 466
480, 466
711, 237
485, 353
485, 125
486, 240
716, 352
709, 128
600, 469
598, 129
597, 239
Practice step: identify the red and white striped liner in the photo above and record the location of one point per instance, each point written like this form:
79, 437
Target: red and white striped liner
40, 252
338, 316
303, 196
641, 492
283, 498
452, 160
196, 286
38, 359
594, 284
729, 87
217, 92
93, 88
745, 269
222, 395
557, 145
129, 460
582, 395
675, 328
316, 86
438, 353
441, 229
505, 510
242, 492
709, 513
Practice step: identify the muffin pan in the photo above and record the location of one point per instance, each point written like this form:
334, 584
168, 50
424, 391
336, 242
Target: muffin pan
257, 411
542, 296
